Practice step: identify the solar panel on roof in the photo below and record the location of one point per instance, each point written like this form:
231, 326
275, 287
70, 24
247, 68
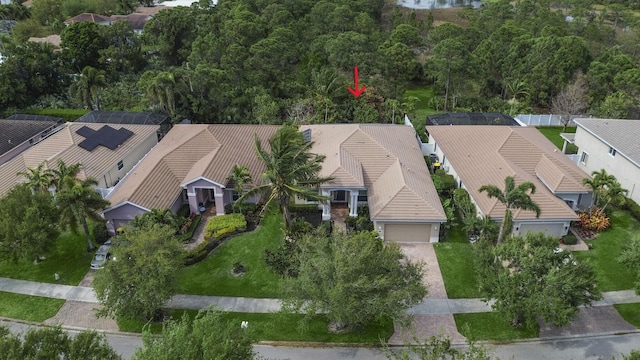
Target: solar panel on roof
105, 136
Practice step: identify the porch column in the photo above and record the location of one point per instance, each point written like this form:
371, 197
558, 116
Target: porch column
326, 206
219, 202
193, 203
353, 203
564, 147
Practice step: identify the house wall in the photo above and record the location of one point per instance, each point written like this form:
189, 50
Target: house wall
121, 216
579, 200
627, 173
433, 237
555, 229
113, 175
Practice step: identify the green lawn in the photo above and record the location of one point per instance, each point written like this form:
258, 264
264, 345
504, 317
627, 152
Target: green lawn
30, 308
630, 312
213, 275
69, 258
553, 134
457, 264
286, 327
607, 246
491, 326
423, 108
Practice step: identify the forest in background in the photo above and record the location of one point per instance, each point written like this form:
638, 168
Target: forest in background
273, 61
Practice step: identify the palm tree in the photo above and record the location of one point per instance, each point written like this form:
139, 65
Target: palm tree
598, 183
324, 84
90, 83
513, 197
240, 177
38, 178
65, 175
613, 193
291, 169
79, 202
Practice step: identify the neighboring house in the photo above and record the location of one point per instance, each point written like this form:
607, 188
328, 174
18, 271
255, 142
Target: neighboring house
19, 134
51, 39
613, 145
123, 117
136, 20
106, 152
378, 165
482, 155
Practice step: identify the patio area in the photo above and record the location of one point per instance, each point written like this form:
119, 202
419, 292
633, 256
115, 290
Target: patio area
339, 212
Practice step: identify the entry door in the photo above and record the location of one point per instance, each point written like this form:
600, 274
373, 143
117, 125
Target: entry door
340, 196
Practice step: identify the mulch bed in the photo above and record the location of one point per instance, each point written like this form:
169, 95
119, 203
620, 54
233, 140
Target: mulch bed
583, 234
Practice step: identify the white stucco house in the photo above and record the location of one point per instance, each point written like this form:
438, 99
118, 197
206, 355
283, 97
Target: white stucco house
612, 145
481, 155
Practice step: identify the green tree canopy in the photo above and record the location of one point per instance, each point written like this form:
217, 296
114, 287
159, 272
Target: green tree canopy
142, 276
355, 279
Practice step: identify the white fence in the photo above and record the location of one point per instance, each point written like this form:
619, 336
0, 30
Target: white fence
541, 120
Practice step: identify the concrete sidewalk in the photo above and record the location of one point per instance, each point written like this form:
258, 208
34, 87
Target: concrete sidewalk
252, 305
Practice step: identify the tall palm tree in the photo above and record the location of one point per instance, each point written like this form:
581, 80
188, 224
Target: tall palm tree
513, 197
38, 178
65, 175
240, 177
90, 82
79, 202
291, 169
598, 183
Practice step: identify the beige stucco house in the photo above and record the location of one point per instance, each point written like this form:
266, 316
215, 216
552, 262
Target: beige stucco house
106, 152
481, 155
376, 165
613, 145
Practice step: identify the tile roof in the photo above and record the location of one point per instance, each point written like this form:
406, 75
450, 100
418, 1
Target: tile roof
15, 132
387, 161
484, 155
63, 145
622, 135
186, 153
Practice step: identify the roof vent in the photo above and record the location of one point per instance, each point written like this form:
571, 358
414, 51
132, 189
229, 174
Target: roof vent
307, 135
106, 136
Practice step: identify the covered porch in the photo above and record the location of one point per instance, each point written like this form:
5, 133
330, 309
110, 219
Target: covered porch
345, 199
204, 194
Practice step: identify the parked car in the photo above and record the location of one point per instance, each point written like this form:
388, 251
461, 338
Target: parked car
101, 256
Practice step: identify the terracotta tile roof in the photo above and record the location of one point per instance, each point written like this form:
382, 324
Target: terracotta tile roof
622, 135
64, 145
384, 159
484, 155
186, 153
15, 132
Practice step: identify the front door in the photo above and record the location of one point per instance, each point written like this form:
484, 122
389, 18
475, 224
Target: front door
340, 196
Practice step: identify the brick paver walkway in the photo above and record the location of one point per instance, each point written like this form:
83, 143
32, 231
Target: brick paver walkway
590, 320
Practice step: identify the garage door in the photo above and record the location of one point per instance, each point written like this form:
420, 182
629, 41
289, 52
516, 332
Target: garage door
549, 229
407, 232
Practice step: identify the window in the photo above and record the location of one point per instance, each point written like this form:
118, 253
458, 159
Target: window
185, 197
120, 165
235, 195
612, 151
362, 196
584, 158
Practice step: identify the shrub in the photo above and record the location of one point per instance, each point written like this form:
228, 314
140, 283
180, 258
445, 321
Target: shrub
187, 235
633, 208
100, 232
300, 226
303, 208
569, 239
284, 260
594, 220
219, 226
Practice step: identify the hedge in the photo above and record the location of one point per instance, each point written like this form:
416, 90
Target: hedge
303, 208
219, 226
202, 251
68, 115
633, 208
186, 237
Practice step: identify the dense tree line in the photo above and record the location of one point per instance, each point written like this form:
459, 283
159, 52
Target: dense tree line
259, 61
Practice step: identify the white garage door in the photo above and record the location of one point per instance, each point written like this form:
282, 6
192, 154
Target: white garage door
549, 229
407, 232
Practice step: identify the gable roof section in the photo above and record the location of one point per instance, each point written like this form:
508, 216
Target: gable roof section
386, 160
64, 145
484, 155
186, 153
15, 132
622, 135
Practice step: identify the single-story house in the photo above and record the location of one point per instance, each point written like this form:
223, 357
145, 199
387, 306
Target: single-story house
136, 20
106, 152
378, 165
18, 134
483, 155
613, 145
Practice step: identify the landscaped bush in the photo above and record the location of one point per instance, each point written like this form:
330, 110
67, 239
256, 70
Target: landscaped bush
303, 208
284, 260
219, 226
185, 234
633, 208
360, 223
100, 233
593, 220
569, 239
250, 211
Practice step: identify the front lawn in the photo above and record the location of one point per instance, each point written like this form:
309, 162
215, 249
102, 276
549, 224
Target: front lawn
26, 307
285, 327
491, 326
553, 134
213, 276
457, 265
630, 312
68, 257
607, 246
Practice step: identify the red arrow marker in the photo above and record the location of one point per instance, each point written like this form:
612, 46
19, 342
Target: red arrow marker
357, 92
